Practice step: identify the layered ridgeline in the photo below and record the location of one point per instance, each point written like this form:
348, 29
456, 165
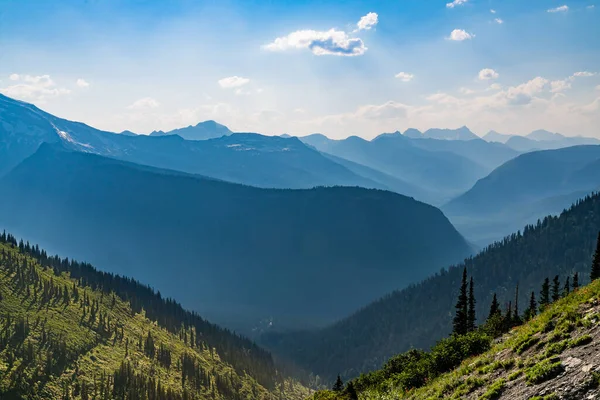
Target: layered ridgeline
418, 316
68, 331
441, 168
524, 189
246, 158
232, 252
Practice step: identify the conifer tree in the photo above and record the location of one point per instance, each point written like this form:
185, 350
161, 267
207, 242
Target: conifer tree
494, 308
532, 309
567, 287
555, 288
338, 386
460, 319
575, 281
516, 316
471, 318
351, 391
508, 318
545, 294
595, 273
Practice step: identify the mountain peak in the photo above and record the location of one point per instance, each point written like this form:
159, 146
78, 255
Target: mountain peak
462, 133
413, 133
542, 134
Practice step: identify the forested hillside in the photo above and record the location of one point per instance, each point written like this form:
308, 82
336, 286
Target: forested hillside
68, 331
227, 250
422, 314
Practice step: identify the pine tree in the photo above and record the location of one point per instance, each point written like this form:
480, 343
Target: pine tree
461, 317
567, 287
471, 318
555, 288
338, 385
532, 309
575, 281
545, 294
516, 317
508, 318
595, 273
494, 308
351, 391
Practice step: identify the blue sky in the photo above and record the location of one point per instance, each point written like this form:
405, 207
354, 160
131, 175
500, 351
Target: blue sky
298, 67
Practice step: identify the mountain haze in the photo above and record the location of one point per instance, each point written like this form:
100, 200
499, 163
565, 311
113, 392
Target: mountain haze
227, 250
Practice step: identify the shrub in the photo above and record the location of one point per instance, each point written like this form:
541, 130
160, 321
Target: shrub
514, 375
523, 345
494, 391
556, 348
543, 371
580, 341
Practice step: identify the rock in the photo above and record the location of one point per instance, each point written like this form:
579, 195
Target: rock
587, 368
572, 362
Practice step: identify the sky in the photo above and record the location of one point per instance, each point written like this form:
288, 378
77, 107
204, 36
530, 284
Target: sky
340, 68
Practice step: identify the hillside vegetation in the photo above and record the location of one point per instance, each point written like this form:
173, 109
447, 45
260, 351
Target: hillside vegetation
68, 331
554, 356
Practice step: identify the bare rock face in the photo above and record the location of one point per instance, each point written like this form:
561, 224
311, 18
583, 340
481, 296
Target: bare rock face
577, 366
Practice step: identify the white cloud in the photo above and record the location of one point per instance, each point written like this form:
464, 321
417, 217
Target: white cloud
584, 74
559, 9
82, 83
33, 88
405, 76
559, 86
460, 35
233, 82
598, 87
466, 91
144, 103
499, 21
493, 11
495, 86
368, 21
331, 42
488, 74
456, 3
524, 93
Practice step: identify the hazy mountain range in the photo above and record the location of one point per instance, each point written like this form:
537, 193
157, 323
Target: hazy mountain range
233, 252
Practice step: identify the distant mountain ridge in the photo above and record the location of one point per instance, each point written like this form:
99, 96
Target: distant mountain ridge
228, 250
201, 131
246, 158
524, 189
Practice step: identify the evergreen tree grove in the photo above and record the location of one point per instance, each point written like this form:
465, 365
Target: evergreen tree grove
516, 317
567, 287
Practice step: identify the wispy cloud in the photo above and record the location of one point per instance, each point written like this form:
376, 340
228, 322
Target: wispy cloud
559, 9
488, 74
232, 82
584, 74
405, 76
82, 83
368, 21
499, 21
144, 103
33, 88
459, 35
456, 3
320, 43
